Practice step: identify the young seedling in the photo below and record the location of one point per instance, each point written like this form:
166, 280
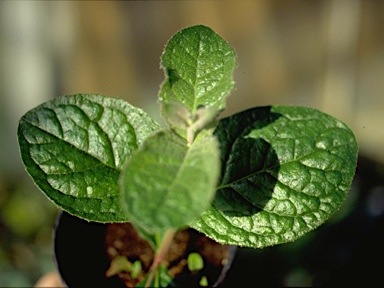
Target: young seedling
122, 264
264, 176
196, 263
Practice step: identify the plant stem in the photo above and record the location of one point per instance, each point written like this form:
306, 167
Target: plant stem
160, 254
190, 135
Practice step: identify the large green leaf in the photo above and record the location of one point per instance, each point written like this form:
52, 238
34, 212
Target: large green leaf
167, 183
286, 170
198, 65
74, 148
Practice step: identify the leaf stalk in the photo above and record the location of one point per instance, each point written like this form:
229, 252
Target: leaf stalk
160, 255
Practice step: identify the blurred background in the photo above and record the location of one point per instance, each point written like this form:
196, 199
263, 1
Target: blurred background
323, 54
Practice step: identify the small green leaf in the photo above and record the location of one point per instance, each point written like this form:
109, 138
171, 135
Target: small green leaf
195, 262
167, 183
203, 281
286, 170
205, 117
74, 148
136, 269
119, 264
188, 125
176, 115
162, 279
198, 65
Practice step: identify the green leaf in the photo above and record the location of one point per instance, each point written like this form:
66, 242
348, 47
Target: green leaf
74, 148
136, 269
286, 170
203, 281
162, 279
176, 115
195, 262
189, 126
119, 264
168, 183
198, 66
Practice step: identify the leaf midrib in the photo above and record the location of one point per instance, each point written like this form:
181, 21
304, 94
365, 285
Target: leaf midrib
68, 143
181, 168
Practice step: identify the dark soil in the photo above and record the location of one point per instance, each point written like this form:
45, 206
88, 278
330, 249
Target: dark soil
123, 240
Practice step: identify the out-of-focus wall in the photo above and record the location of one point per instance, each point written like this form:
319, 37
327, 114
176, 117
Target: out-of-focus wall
324, 54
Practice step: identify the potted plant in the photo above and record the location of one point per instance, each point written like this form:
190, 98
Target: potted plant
264, 176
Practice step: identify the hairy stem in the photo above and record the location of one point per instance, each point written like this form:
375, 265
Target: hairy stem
160, 254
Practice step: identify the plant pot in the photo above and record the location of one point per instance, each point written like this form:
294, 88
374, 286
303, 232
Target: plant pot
84, 250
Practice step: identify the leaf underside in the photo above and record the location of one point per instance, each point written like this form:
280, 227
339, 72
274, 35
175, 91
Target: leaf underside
285, 171
74, 148
166, 183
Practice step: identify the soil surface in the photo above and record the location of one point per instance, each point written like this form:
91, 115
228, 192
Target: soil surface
123, 240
